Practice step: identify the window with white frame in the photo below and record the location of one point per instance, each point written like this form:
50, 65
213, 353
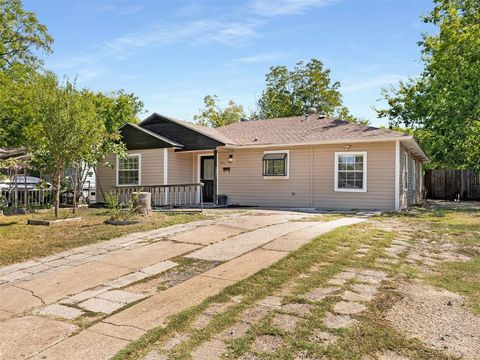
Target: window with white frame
351, 171
128, 170
275, 164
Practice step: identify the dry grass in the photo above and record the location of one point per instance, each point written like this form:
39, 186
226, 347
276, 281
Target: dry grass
19, 241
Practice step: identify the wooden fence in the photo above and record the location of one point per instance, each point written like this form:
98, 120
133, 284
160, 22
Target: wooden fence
452, 184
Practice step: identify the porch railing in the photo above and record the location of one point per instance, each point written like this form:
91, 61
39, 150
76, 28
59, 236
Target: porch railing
25, 198
170, 196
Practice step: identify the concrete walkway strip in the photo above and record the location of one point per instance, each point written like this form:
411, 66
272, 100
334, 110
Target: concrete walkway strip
154, 311
61, 311
246, 265
15, 300
22, 337
55, 286
208, 234
297, 239
241, 244
86, 345
147, 255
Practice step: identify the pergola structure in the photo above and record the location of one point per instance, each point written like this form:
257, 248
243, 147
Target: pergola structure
13, 162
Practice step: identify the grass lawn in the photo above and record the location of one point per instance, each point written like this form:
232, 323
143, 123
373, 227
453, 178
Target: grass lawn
462, 227
19, 241
313, 266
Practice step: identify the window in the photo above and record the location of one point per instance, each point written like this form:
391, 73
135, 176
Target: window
128, 170
275, 164
351, 171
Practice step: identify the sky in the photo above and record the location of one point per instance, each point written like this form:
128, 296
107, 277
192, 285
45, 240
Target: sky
173, 53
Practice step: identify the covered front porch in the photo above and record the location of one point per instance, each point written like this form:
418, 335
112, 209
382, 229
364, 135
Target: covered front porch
189, 180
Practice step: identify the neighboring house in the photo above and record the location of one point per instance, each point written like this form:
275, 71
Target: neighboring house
302, 161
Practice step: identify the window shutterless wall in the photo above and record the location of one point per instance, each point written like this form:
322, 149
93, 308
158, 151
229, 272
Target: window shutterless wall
151, 171
311, 178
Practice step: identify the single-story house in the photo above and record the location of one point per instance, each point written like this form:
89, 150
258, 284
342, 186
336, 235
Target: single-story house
310, 161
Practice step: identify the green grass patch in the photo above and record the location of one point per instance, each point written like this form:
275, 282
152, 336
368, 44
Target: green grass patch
20, 242
462, 278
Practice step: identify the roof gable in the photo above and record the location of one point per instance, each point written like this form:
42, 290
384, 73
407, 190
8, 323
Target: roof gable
137, 138
191, 136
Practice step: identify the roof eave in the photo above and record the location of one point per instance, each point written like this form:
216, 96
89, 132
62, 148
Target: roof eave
413, 141
324, 142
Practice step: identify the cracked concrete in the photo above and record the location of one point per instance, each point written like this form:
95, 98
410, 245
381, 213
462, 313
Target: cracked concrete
87, 277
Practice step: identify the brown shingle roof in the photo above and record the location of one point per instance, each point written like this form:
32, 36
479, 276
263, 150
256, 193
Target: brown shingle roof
297, 130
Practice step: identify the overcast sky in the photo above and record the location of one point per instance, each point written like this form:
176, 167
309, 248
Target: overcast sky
173, 53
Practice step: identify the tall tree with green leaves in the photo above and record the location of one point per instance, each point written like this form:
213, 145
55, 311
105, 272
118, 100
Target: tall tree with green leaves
17, 92
214, 115
21, 34
292, 92
65, 129
114, 109
442, 105
118, 108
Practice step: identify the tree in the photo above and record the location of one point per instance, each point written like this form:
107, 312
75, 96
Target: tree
118, 108
214, 115
20, 35
17, 85
115, 109
442, 105
292, 92
65, 129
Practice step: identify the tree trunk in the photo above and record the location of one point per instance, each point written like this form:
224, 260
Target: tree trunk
58, 179
25, 197
74, 200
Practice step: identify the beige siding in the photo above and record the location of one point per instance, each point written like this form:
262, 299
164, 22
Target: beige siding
180, 167
245, 185
411, 191
311, 178
380, 192
310, 182
151, 171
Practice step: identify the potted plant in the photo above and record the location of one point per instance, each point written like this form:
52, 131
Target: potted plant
221, 200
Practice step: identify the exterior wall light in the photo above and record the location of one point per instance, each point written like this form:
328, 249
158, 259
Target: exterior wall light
230, 159
347, 147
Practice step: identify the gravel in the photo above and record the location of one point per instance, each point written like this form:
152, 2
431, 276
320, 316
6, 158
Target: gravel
438, 318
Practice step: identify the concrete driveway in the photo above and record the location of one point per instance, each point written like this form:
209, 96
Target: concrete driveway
111, 288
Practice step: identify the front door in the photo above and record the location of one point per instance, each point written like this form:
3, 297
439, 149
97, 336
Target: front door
207, 177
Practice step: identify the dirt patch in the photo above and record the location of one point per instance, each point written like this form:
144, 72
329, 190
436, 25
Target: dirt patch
390, 355
338, 321
322, 337
285, 322
297, 309
267, 343
172, 277
438, 318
